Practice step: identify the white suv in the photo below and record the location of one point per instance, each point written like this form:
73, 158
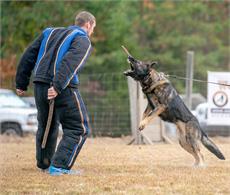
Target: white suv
16, 116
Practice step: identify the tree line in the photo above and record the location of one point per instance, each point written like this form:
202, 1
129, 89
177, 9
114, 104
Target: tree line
162, 31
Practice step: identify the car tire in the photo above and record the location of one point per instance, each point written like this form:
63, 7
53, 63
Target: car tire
11, 129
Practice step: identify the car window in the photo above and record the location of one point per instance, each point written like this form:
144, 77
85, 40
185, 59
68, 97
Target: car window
11, 100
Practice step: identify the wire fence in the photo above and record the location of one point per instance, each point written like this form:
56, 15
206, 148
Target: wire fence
107, 101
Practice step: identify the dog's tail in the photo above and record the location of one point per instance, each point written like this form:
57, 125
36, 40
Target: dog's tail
209, 144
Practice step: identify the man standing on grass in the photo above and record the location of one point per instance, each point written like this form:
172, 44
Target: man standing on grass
56, 58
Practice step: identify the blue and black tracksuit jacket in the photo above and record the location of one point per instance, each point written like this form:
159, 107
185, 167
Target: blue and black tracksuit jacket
55, 56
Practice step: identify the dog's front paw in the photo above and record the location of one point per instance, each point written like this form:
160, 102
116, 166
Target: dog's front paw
141, 126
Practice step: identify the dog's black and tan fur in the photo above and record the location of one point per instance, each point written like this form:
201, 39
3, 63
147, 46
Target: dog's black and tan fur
164, 101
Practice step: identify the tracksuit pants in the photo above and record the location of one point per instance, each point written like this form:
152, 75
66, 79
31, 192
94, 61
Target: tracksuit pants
70, 112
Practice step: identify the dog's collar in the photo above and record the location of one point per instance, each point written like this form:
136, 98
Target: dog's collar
147, 79
149, 84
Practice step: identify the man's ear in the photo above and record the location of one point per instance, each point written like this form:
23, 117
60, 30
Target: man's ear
89, 25
153, 64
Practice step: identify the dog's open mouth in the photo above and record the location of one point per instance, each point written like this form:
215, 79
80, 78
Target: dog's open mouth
131, 70
131, 65
129, 60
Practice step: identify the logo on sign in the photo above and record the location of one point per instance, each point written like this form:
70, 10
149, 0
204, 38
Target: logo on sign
220, 98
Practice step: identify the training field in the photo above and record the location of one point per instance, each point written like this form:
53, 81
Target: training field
110, 166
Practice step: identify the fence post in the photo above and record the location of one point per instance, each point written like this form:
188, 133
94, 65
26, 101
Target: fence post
138, 115
135, 100
189, 76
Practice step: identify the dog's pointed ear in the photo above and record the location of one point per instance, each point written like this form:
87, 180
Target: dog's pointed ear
153, 64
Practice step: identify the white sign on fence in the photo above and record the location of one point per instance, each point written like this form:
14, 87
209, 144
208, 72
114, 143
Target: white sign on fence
218, 99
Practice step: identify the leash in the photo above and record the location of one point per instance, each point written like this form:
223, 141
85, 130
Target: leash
48, 124
182, 78
196, 80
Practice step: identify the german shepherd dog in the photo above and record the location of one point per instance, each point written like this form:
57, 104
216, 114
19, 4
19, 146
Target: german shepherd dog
164, 101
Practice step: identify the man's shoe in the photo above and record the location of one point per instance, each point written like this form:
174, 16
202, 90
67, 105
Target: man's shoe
60, 171
56, 171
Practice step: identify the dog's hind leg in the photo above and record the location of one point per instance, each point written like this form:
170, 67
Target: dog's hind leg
188, 139
193, 138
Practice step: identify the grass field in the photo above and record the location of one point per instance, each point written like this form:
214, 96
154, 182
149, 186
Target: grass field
110, 166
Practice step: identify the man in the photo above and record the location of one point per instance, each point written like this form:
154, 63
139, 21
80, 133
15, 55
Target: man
55, 58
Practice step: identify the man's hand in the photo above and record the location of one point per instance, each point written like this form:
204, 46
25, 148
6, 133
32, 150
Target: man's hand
20, 92
52, 93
